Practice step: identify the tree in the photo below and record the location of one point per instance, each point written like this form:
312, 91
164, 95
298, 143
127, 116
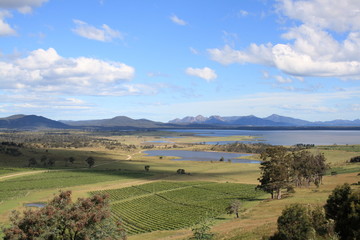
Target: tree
180, 171
343, 206
43, 160
275, 170
298, 222
71, 160
234, 207
90, 161
66, 220
32, 162
51, 162
322, 226
293, 224
201, 231
307, 168
355, 159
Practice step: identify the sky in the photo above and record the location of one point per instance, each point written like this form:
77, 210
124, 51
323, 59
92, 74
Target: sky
161, 59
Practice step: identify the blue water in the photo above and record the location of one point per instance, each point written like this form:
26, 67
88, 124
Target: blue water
159, 141
201, 156
38, 205
286, 137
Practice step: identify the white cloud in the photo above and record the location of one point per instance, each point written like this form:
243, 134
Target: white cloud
46, 71
5, 28
103, 34
281, 79
23, 6
32, 103
205, 73
177, 20
259, 54
340, 16
243, 13
310, 50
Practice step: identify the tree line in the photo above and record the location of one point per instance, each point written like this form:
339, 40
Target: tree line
255, 147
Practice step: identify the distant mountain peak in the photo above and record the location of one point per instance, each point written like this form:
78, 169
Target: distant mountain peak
21, 121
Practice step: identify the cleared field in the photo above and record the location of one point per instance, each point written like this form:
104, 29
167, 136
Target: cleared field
12, 188
174, 205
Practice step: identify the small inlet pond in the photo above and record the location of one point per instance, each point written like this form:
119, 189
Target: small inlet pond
201, 156
38, 204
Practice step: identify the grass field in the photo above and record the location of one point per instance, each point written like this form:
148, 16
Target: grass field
161, 204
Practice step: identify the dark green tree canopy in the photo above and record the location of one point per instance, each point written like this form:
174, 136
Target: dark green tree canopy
281, 169
90, 161
343, 206
294, 224
62, 219
275, 170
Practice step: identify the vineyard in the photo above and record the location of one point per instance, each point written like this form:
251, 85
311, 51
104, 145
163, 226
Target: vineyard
12, 188
174, 205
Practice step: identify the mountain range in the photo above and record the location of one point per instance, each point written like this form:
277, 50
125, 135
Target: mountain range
270, 121
122, 122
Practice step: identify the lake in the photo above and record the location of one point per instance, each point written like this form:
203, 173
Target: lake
201, 156
284, 137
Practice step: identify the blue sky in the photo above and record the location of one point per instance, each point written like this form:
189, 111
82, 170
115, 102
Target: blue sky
160, 60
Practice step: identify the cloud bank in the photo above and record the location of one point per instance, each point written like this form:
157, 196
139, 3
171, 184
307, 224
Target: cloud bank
23, 6
46, 71
311, 48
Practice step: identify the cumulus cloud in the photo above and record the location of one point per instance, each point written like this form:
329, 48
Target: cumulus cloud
177, 20
46, 71
5, 28
339, 16
23, 6
205, 73
311, 49
103, 34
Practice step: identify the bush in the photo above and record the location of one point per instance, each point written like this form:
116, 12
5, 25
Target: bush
343, 206
355, 159
180, 171
293, 224
63, 219
201, 231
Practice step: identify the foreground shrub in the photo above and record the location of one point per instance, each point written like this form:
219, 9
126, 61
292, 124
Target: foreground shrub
63, 219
